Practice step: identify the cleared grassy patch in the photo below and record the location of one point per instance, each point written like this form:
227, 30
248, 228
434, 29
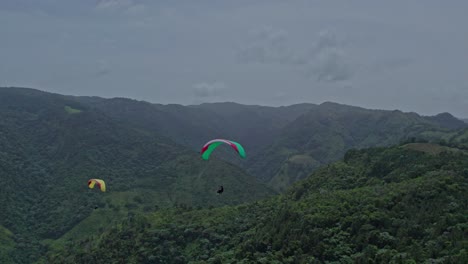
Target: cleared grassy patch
303, 159
70, 110
429, 148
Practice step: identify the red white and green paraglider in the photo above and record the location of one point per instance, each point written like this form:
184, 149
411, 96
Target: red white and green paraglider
211, 145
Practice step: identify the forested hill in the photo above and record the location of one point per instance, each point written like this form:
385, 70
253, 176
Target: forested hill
254, 126
403, 204
284, 144
324, 134
50, 145
447, 120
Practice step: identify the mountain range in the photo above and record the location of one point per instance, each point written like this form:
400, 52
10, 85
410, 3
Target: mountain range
148, 154
403, 204
51, 145
284, 144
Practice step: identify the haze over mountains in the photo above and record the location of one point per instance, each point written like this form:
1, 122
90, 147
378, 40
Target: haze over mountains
51, 144
353, 117
284, 144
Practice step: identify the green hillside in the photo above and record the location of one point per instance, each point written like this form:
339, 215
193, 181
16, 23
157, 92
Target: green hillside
380, 205
51, 145
323, 135
284, 144
162, 196
447, 120
456, 138
459, 139
254, 126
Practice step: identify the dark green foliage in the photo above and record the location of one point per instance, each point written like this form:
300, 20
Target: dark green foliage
447, 120
253, 126
283, 144
382, 205
325, 133
48, 154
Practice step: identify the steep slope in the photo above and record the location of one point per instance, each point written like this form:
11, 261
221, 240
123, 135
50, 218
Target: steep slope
381, 205
183, 125
284, 144
324, 134
459, 139
447, 120
254, 126
51, 145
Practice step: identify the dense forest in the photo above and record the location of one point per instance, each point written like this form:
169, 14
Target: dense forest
50, 146
342, 199
285, 144
404, 204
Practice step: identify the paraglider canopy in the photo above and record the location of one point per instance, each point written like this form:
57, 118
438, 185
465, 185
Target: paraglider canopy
100, 184
211, 145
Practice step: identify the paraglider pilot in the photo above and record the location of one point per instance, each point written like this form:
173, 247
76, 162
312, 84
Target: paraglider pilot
220, 190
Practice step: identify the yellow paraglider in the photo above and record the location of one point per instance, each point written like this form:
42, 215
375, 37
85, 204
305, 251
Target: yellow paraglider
100, 183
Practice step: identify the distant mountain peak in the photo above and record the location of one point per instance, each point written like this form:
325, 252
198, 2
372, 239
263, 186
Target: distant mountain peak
444, 115
447, 120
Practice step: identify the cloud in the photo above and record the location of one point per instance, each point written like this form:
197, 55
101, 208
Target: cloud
126, 7
135, 10
326, 60
114, 4
205, 89
392, 64
103, 68
279, 96
328, 39
331, 66
268, 46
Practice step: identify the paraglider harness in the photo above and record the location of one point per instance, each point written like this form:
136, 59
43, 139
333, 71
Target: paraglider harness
220, 190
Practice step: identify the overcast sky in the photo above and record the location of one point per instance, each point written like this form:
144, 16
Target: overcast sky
409, 55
